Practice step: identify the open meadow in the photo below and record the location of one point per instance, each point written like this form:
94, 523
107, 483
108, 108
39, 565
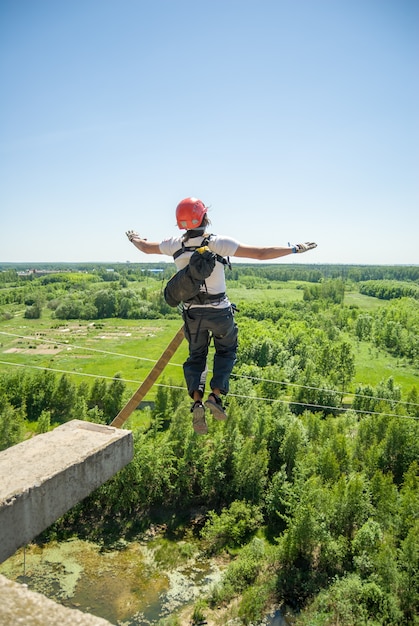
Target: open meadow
305, 497
88, 348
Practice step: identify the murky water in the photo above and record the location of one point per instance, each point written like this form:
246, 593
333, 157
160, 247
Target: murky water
136, 585
125, 586
276, 619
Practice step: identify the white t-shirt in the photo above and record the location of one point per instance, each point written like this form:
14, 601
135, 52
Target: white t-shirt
224, 246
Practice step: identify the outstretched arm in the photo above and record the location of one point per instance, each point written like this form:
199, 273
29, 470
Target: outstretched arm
271, 252
148, 247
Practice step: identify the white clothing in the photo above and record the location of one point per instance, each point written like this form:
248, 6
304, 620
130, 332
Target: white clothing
224, 246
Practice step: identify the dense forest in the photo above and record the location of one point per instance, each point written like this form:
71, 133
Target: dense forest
311, 487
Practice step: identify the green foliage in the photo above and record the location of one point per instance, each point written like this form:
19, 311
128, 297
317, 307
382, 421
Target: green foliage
331, 478
389, 289
396, 328
44, 422
243, 570
34, 311
232, 527
409, 575
364, 327
350, 601
11, 424
239, 576
250, 472
329, 290
254, 603
198, 615
46, 398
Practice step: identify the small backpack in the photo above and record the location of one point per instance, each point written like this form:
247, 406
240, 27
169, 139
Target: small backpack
185, 285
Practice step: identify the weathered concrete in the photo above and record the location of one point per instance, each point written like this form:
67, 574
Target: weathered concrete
21, 607
43, 477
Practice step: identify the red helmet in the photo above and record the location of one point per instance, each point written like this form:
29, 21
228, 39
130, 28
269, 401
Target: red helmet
190, 212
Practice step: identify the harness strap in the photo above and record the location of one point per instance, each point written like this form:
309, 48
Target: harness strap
205, 298
204, 242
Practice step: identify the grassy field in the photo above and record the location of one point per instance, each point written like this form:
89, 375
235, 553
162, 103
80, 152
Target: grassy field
373, 365
284, 292
131, 347
102, 348
354, 298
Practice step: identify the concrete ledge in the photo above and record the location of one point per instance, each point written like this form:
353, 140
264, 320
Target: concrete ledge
20, 606
43, 477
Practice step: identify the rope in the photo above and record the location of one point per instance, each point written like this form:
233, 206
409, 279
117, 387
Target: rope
70, 372
75, 346
233, 395
259, 379
321, 406
343, 393
273, 400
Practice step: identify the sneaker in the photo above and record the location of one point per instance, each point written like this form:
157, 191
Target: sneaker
215, 405
199, 424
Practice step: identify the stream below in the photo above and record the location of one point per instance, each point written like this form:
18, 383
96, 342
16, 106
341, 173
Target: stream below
137, 584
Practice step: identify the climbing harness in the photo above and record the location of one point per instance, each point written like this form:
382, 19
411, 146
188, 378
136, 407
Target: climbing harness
204, 244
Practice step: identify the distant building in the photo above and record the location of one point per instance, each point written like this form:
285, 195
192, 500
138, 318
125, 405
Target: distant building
34, 272
154, 270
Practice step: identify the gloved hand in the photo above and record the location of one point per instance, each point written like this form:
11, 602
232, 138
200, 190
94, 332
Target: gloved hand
131, 234
298, 248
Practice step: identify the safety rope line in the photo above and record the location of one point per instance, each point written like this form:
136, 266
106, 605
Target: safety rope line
76, 347
267, 380
233, 395
340, 393
70, 372
321, 406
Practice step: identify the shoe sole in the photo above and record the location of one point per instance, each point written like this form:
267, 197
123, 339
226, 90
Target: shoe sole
217, 412
199, 423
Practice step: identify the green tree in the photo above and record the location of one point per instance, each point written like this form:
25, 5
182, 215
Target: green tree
400, 447
294, 442
97, 394
409, 583
105, 303
161, 408
328, 465
349, 601
250, 472
365, 546
44, 422
409, 500
364, 326
232, 527
70, 308
352, 504
413, 402
385, 500
344, 364
79, 409
113, 400
34, 311
38, 392
217, 476
11, 424
274, 502
63, 399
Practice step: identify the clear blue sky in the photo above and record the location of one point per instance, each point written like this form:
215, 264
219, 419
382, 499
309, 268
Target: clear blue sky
295, 120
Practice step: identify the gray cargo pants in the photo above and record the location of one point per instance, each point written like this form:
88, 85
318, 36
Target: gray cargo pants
200, 324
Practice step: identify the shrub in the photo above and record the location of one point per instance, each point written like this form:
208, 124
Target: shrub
232, 527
